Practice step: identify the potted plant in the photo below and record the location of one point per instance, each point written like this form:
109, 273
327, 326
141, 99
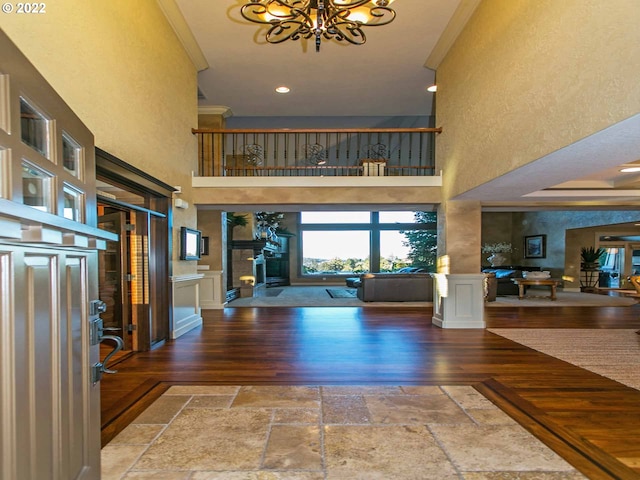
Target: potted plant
497, 251
591, 257
234, 221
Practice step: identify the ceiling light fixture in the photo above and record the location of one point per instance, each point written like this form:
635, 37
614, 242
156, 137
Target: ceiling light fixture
331, 19
283, 89
432, 88
630, 169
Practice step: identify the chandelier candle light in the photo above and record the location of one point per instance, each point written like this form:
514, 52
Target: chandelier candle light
331, 19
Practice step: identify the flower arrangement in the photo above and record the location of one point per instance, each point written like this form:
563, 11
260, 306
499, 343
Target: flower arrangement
269, 219
502, 247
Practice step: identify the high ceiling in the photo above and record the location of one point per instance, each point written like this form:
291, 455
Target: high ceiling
388, 76
384, 77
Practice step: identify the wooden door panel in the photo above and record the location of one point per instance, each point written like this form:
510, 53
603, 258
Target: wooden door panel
48, 408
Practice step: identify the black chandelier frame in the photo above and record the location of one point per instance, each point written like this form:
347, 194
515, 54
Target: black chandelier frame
303, 19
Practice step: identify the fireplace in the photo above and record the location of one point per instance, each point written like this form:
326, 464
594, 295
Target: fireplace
259, 270
247, 259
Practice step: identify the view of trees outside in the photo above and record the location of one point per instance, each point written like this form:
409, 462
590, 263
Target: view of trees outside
340, 252
335, 252
422, 244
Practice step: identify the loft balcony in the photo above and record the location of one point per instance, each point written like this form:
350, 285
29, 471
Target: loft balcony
373, 152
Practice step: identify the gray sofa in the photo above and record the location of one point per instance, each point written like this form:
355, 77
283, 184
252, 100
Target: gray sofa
503, 275
395, 287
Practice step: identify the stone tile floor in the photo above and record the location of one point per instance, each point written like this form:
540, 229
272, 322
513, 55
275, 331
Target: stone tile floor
334, 432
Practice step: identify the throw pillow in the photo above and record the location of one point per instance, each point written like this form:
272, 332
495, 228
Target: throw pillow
504, 273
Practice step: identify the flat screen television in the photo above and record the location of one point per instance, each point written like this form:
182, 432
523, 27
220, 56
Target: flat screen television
190, 244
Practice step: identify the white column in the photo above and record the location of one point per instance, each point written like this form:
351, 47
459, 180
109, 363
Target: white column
186, 304
212, 290
458, 300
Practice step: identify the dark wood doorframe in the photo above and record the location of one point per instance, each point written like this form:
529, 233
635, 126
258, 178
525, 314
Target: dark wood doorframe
153, 220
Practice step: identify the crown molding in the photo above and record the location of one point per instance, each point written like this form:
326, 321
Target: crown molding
183, 32
221, 110
458, 20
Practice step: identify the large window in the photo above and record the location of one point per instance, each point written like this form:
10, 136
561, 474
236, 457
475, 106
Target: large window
350, 243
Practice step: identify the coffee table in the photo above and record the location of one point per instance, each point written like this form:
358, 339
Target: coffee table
526, 282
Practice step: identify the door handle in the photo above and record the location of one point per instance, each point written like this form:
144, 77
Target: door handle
119, 345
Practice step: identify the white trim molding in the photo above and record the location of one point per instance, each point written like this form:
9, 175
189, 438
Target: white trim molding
183, 32
185, 291
458, 300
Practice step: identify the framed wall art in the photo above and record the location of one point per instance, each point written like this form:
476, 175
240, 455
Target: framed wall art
535, 246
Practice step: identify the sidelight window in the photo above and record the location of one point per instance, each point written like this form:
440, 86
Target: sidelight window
71, 155
34, 127
37, 190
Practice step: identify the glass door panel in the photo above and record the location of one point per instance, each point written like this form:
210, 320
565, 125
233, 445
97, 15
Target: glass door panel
612, 267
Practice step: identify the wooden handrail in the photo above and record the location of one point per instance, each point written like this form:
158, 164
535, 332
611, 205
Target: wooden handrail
317, 130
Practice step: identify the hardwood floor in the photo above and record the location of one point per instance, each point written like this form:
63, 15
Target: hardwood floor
593, 422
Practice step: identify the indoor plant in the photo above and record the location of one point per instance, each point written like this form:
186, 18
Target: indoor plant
591, 257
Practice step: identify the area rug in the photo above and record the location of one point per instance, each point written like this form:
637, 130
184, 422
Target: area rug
565, 299
612, 353
321, 432
314, 296
341, 293
272, 292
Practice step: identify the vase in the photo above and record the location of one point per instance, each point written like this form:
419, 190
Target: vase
498, 259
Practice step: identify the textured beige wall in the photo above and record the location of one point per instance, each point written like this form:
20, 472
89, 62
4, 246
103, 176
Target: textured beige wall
459, 227
526, 78
235, 198
120, 67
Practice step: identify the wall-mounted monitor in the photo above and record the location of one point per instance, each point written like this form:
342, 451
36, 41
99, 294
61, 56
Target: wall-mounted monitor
190, 241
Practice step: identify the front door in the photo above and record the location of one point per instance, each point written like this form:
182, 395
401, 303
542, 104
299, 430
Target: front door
50, 405
49, 352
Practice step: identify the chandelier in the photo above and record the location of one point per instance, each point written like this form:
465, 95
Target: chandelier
331, 19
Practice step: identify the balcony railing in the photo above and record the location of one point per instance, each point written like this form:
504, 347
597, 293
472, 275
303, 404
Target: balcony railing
319, 152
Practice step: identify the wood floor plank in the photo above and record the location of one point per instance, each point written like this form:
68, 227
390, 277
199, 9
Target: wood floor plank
586, 413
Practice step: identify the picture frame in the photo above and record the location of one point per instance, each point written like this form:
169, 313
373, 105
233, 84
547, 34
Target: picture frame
204, 248
535, 246
190, 243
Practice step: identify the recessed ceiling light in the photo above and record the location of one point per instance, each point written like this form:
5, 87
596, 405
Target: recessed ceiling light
283, 89
432, 88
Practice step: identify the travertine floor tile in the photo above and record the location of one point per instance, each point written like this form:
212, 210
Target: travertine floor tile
259, 475
296, 415
328, 433
361, 390
384, 452
490, 416
202, 390
210, 401
414, 409
345, 409
523, 476
158, 475
163, 409
136, 434
293, 447
210, 439
422, 390
117, 459
270, 397
497, 448
468, 397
